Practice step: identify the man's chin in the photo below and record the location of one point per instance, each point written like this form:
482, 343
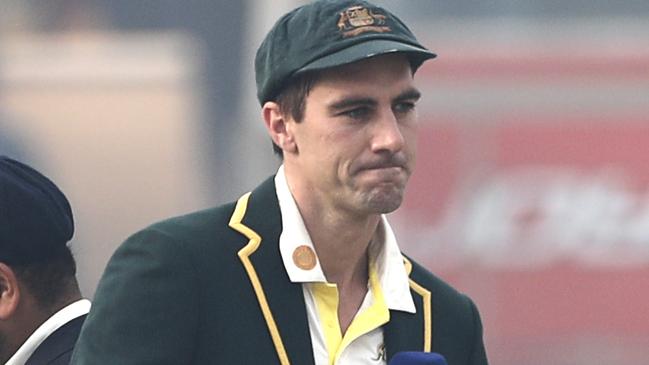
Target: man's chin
384, 199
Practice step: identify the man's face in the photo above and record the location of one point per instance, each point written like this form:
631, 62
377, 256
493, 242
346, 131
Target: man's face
356, 142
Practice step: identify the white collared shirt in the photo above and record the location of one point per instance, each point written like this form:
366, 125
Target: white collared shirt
385, 255
60, 318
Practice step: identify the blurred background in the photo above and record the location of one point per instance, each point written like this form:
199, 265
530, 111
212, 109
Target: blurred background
532, 188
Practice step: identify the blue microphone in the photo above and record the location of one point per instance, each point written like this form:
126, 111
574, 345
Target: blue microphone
417, 358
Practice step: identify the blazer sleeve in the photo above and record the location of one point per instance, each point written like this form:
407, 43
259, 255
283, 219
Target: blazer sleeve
478, 355
145, 310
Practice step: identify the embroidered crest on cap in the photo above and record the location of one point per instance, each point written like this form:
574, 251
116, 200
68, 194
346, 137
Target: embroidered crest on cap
358, 19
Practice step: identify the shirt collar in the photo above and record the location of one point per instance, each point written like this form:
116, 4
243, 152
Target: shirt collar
384, 250
294, 234
63, 316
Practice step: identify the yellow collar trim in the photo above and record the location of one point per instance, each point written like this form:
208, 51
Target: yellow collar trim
427, 303
254, 240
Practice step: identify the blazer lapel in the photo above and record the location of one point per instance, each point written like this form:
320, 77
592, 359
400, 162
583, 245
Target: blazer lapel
258, 217
410, 331
404, 332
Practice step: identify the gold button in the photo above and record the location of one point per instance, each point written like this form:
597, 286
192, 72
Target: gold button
304, 257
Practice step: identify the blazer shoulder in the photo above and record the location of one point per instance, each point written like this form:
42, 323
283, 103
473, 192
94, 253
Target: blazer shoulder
446, 298
209, 222
207, 219
432, 282
204, 232
457, 326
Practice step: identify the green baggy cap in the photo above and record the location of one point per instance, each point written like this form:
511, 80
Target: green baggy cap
329, 33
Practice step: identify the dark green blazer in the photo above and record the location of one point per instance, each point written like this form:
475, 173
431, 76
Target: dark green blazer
211, 288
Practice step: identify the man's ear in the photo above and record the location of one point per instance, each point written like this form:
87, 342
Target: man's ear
277, 125
9, 292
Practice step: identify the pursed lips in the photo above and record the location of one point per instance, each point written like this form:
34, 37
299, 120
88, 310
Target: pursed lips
383, 165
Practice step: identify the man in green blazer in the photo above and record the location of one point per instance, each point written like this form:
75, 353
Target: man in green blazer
305, 269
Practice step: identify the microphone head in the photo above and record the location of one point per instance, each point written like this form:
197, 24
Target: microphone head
417, 358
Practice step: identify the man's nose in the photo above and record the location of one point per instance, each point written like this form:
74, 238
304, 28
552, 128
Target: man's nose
387, 134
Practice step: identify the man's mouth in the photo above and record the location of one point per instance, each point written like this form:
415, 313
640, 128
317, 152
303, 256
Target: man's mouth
385, 165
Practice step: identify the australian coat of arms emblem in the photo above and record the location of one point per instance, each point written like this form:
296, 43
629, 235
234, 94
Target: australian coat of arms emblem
358, 19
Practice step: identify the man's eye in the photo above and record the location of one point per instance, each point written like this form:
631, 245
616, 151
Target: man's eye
357, 113
404, 107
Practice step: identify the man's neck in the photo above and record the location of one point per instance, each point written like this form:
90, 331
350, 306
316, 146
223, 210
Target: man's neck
342, 247
27, 318
340, 240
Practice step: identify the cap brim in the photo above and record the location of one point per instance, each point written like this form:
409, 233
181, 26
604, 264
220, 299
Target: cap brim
369, 49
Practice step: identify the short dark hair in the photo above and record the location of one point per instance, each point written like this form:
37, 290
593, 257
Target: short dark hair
292, 98
51, 281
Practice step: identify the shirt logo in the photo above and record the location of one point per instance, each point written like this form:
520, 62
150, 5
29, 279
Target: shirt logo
358, 19
380, 353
